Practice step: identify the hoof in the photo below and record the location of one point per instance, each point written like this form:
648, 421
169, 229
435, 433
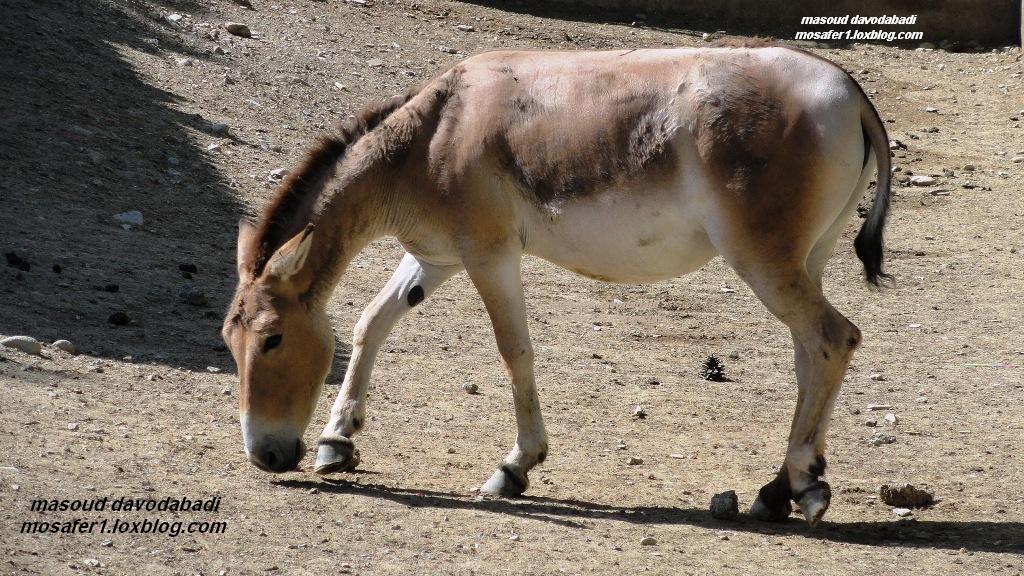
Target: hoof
776, 512
505, 483
336, 455
814, 501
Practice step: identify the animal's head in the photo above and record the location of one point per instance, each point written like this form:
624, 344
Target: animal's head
282, 344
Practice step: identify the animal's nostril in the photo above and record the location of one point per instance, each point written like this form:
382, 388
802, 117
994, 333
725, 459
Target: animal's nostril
270, 459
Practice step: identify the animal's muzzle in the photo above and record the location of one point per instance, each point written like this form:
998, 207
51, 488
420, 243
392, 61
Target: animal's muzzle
273, 455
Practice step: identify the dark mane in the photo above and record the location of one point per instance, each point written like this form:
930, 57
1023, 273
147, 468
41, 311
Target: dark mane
742, 42
290, 209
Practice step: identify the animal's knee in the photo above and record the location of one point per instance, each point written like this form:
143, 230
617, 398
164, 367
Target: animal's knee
839, 336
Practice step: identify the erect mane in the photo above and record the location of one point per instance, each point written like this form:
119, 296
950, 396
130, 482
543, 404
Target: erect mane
292, 206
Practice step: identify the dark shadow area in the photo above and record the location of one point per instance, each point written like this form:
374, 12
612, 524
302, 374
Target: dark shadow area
1005, 537
947, 28
85, 136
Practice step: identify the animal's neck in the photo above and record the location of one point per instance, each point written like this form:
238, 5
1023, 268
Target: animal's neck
356, 212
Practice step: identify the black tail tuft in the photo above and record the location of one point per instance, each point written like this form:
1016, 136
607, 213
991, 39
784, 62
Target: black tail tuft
868, 244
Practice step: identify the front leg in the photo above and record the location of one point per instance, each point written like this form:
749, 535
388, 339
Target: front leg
411, 283
498, 280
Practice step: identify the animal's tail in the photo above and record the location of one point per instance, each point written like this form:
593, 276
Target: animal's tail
868, 244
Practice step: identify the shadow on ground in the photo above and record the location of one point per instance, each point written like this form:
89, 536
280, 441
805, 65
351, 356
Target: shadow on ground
1005, 537
85, 137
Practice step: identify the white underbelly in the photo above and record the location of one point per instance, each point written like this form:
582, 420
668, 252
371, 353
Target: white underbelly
619, 236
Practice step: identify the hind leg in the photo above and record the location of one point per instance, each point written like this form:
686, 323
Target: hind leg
412, 282
824, 342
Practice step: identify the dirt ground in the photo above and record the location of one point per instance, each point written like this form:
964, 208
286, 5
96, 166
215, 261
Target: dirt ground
109, 106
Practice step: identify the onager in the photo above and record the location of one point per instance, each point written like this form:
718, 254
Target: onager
625, 166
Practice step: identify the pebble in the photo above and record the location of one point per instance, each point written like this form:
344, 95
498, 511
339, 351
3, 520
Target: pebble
238, 29
192, 295
931, 109
226, 392
447, 49
880, 438
131, 217
470, 388
878, 377
922, 180
174, 18
26, 344
277, 175
970, 167
119, 319
876, 407
73, 426
375, 63
66, 346
905, 496
725, 506
649, 541
634, 461
1017, 159
639, 412
219, 129
892, 419
902, 512
465, 28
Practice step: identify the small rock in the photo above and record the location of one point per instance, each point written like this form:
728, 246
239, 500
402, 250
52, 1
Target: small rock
192, 295
1017, 159
922, 180
905, 496
238, 29
183, 62
878, 377
970, 167
92, 562
634, 461
219, 129
649, 541
226, 392
892, 419
131, 217
514, 537
880, 438
465, 28
931, 109
73, 426
277, 175
26, 344
107, 543
16, 261
213, 369
65, 345
639, 413
174, 18
119, 319
470, 388
620, 445
877, 407
447, 49
375, 63
725, 506
902, 512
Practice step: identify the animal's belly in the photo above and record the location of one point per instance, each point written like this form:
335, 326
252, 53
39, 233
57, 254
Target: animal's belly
623, 238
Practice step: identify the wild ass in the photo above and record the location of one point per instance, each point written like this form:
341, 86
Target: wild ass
626, 166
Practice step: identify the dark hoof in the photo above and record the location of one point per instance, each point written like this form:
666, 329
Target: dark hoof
504, 482
773, 512
336, 455
814, 501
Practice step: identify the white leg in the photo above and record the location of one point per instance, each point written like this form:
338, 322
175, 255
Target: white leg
411, 283
500, 285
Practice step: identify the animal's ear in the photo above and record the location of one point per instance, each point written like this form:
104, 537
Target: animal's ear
291, 257
246, 248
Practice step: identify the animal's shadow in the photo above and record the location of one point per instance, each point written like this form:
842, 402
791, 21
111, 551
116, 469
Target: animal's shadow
979, 536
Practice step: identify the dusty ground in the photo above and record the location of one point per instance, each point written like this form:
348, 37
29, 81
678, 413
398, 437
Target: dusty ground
101, 113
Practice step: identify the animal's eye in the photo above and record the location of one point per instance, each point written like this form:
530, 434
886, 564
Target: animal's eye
271, 342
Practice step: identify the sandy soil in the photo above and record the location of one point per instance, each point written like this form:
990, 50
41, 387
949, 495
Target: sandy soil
110, 106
